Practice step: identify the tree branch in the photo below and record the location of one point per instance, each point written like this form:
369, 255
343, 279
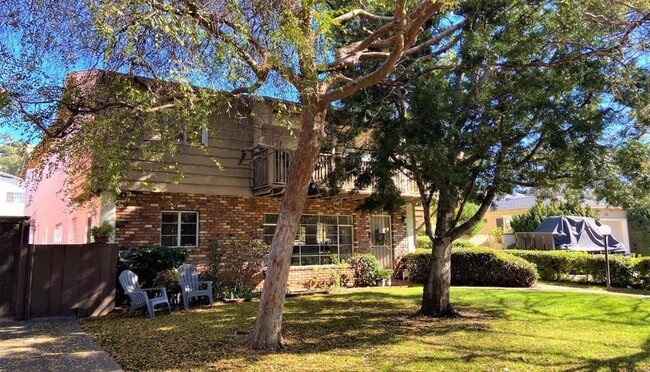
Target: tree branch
362, 14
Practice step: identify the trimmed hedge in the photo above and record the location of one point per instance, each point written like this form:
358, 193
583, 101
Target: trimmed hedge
474, 267
551, 265
580, 266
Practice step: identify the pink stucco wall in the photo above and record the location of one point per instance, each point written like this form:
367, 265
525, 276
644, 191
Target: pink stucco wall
48, 206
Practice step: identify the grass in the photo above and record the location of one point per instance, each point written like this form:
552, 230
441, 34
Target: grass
374, 330
596, 287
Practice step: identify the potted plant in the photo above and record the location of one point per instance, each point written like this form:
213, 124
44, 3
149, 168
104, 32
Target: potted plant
383, 277
102, 233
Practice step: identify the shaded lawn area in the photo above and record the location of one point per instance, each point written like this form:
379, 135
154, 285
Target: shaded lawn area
374, 330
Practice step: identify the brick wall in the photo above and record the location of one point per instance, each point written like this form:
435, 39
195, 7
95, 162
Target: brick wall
222, 218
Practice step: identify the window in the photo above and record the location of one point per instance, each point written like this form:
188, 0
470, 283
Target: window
183, 138
504, 223
73, 230
319, 239
58, 234
179, 229
15, 197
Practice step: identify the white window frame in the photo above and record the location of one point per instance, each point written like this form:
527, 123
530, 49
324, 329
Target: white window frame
58, 234
178, 233
204, 137
299, 242
73, 230
15, 197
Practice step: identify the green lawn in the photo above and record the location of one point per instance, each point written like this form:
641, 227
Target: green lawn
373, 330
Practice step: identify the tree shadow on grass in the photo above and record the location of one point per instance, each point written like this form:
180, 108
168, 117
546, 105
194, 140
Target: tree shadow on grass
622, 363
350, 324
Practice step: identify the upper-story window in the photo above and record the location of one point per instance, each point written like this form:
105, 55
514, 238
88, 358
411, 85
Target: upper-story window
179, 229
183, 138
15, 197
320, 239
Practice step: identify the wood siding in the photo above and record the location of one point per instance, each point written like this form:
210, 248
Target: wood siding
227, 136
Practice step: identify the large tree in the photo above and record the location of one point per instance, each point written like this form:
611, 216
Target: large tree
11, 155
530, 96
237, 46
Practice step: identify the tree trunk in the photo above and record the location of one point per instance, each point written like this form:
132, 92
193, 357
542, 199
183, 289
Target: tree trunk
267, 334
435, 297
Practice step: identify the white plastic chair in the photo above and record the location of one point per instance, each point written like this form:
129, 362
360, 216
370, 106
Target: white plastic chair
191, 286
138, 296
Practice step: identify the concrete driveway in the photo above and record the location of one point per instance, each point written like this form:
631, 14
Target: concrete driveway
50, 345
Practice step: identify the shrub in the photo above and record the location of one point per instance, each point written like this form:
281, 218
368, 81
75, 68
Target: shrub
462, 243
638, 220
474, 266
489, 267
148, 262
417, 264
366, 269
243, 261
551, 265
570, 266
167, 278
621, 272
641, 267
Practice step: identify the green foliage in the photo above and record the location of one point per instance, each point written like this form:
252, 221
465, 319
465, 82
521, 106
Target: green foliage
474, 266
551, 265
11, 155
501, 108
626, 180
168, 278
470, 210
462, 243
422, 242
641, 267
366, 270
148, 262
580, 266
384, 274
239, 292
638, 220
488, 267
102, 232
531, 220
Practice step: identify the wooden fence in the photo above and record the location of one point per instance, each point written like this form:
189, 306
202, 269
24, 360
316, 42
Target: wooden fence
72, 280
537, 241
53, 280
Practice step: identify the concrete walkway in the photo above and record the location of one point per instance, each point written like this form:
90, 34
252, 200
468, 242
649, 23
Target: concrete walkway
50, 345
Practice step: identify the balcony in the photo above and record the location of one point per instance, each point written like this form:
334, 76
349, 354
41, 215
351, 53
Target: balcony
271, 172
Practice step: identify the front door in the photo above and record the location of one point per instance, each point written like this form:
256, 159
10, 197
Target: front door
381, 240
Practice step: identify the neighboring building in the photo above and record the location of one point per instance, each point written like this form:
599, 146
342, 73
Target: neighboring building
510, 205
12, 195
239, 202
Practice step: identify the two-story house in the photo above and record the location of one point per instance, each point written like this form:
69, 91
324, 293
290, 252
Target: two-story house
237, 201
12, 192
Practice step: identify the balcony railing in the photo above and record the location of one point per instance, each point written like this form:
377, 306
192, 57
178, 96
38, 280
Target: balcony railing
271, 172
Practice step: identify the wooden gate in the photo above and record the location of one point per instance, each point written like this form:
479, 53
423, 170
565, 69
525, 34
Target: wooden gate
75, 279
13, 236
381, 240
